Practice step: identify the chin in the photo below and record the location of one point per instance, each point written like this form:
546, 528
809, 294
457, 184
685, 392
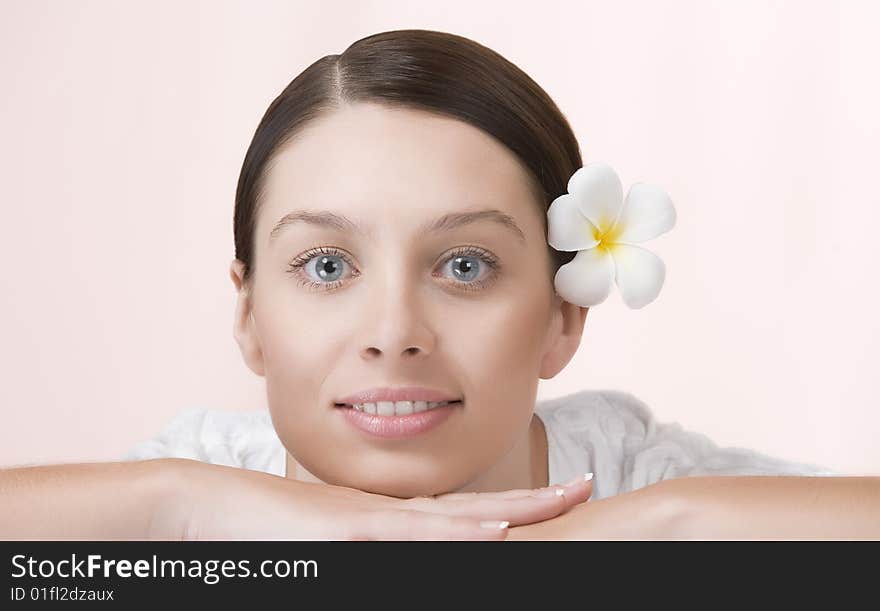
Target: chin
404, 487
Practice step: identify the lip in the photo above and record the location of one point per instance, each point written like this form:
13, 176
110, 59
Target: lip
398, 427
398, 393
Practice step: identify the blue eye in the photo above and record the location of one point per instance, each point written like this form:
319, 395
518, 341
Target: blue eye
328, 267
465, 268
321, 268
472, 268
468, 264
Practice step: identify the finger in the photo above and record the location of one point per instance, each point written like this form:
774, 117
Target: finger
505, 494
578, 491
523, 510
573, 489
401, 524
513, 506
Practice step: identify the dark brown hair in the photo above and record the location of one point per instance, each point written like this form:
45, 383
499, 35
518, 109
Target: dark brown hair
421, 69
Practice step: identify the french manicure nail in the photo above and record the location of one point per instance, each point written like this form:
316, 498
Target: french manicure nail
583, 478
549, 493
495, 524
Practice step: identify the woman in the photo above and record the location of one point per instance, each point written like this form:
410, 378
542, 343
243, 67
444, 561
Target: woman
397, 291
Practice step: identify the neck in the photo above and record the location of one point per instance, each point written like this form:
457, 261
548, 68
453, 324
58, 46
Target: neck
524, 466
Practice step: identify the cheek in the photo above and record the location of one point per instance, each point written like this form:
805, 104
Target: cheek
500, 360
508, 336
295, 327
298, 349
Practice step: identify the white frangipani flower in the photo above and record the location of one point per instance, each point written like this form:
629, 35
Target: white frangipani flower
593, 219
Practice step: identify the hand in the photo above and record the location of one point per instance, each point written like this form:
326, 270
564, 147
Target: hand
217, 502
652, 512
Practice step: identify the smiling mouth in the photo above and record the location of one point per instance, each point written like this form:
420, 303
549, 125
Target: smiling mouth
398, 408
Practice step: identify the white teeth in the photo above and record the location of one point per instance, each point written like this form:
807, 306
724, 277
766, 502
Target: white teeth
397, 408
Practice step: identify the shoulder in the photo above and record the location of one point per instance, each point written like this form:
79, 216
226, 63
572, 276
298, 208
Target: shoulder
622, 441
595, 431
619, 417
239, 438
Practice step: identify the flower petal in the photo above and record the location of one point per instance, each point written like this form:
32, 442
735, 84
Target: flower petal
586, 279
598, 192
567, 227
647, 212
639, 274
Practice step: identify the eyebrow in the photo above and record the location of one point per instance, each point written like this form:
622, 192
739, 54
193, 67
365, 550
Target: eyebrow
447, 222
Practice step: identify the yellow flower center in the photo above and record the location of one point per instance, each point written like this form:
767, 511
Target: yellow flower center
606, 236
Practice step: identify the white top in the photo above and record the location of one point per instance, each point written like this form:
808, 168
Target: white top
610, 433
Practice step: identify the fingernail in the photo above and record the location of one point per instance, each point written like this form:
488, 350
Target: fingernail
583, 478
549, 493
494, 524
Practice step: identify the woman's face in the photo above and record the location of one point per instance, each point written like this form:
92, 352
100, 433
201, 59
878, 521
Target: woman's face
418, 295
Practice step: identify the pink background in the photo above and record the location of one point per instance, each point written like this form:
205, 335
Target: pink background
124, 125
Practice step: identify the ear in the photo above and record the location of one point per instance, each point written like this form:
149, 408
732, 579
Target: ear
566, 330
244, 327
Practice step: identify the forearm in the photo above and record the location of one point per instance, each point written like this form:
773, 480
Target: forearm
108, 500
777, 507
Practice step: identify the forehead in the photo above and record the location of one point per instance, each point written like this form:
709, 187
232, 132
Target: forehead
367, 160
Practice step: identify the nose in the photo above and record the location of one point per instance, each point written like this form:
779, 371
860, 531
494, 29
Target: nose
395, 325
